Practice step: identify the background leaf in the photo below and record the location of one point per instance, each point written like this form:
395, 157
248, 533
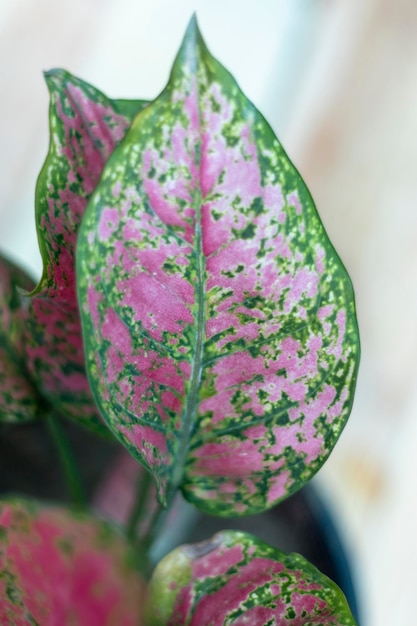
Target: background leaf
85, 127
219, 322
236, 579
19, 400
60, 567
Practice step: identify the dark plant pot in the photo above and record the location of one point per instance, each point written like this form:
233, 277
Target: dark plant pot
29, 465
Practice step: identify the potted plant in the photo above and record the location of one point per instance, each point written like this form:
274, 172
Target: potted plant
193, 310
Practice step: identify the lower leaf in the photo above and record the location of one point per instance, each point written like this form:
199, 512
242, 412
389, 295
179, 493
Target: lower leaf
62, 567
236, 579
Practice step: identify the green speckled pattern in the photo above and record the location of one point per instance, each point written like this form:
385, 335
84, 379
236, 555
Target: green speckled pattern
235, 579
219, 323
85, 127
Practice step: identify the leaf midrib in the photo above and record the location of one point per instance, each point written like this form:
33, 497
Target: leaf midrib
191, 404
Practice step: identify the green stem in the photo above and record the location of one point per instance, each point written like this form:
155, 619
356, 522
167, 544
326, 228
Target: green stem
146, 544
144, 484
68, 462
155, 527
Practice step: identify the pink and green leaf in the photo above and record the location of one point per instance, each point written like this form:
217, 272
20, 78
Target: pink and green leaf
219, 323
19, 400
58, 567
235, 579
85, 127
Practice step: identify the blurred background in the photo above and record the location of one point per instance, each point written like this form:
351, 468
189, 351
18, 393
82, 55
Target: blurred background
337, 80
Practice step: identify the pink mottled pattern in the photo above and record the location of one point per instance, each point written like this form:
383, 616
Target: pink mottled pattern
85, 134
236, 579
211, 297
136, 282
62, 569
91, 132
54, 357
230, 178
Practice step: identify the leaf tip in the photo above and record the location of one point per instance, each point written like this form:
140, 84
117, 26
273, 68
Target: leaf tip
192, 34
192, 46
54, 77
193, 23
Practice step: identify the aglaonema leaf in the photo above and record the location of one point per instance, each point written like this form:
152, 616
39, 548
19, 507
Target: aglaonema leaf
235, 579
19, 400
219, 322
61, 567
85, 127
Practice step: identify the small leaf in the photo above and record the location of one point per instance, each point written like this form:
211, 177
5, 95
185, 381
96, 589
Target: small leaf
19, 399
60, 567
85, 127
219, 322
236, 579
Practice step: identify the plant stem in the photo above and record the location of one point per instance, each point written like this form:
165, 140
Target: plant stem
155, 523
144, 484
68, 462
154, 529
